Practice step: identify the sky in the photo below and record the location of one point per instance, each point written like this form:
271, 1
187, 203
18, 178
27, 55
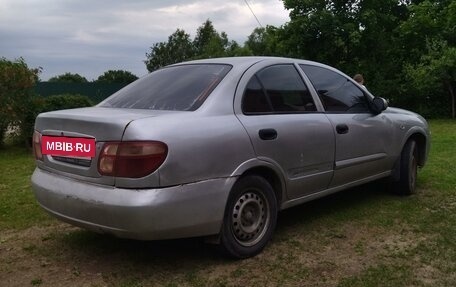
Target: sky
89, 37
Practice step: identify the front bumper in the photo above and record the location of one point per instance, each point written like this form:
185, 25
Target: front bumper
188, 210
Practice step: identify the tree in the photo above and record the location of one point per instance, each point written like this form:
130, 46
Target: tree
342, 33
258, 42
428, 38
235, 50
117, 76
205, 34
376, 50
178, 48
16, 83
322, 30
68, 78
437, 68
208, 43
424, 22
384, 40
266, 41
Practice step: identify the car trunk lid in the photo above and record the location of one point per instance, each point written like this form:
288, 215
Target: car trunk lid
102, 124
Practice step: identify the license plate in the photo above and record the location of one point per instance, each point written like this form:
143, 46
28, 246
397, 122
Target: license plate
68, 146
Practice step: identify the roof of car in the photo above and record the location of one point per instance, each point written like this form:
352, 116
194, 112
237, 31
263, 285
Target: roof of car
248, 60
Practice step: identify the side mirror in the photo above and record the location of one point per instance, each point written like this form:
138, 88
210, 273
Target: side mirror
379, 105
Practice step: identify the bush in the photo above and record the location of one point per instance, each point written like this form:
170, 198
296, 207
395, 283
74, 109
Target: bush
25, 131
65, 101
16, 83
3, 128
39, 105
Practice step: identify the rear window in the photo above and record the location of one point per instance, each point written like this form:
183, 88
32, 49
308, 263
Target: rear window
177, 88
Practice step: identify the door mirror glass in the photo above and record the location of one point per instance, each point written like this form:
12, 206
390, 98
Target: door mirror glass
379, 105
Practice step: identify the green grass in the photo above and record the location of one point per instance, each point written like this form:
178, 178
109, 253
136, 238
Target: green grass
361, 237
431, 215
18, 209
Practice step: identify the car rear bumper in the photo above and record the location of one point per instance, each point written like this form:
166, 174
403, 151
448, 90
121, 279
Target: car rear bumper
188, 210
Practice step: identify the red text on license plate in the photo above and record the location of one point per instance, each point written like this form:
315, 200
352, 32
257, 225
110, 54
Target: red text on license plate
67, 146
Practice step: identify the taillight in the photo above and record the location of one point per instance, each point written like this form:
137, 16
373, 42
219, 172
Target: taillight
131, 159
37, 145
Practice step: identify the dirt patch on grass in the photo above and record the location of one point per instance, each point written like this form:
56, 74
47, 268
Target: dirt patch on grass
318, 259
26, 262
61, 255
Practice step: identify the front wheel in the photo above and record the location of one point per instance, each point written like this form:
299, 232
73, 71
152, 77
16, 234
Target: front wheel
250, 217
406, 184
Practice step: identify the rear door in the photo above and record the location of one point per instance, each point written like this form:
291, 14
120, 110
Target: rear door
286, 127
362, 138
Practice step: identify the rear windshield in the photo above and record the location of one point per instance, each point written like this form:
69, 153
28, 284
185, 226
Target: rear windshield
178, 88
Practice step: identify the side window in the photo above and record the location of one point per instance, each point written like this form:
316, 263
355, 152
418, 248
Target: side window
277, 89
255, 101
336, 92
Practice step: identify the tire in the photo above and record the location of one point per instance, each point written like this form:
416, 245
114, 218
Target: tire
406, 184
250, 217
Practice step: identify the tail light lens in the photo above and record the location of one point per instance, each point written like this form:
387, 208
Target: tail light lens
131, 159
37, 145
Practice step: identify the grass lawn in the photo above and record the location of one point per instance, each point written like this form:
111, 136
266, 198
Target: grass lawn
361, 237
18, 208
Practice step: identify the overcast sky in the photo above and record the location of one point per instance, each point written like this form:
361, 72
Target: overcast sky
91, 37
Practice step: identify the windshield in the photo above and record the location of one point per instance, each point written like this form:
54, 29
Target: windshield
178, 88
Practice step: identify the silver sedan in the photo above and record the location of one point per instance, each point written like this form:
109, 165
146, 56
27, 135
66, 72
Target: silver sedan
217, 147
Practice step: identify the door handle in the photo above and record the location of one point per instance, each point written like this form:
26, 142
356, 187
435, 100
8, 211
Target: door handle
267, 134
342, 129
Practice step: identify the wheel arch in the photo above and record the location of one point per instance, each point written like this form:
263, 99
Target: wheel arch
422, 144
271, 177
270, 172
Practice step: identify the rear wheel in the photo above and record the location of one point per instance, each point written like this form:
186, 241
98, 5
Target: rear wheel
250, 217
406, 184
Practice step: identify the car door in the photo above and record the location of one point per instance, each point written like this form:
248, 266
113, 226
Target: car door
362, 137
286, 127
